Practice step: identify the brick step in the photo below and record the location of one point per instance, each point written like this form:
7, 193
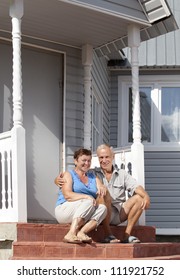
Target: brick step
65, 251
44, 241
56, 232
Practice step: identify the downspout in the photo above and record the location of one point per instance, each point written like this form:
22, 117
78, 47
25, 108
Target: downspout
137, 148
18, 132
87, 60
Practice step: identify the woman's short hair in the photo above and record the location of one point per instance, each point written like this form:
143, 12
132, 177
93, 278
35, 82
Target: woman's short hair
81, 152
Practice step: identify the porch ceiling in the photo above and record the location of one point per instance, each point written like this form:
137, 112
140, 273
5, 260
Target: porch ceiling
69, 23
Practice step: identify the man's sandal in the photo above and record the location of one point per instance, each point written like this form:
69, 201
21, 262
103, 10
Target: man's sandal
111, 239
131, 239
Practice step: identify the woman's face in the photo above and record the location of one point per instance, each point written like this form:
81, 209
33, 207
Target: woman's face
83, 163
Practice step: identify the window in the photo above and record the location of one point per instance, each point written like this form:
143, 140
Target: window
96, 121
170, 114
160, 110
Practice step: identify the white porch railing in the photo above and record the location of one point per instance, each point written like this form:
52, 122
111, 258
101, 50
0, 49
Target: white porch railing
126, 158
6, 189
13, 204
13, 199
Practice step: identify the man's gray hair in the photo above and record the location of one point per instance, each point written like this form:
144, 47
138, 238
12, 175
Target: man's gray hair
104, 146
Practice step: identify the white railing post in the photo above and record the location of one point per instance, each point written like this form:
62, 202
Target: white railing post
18, 132
87, 58
137, 147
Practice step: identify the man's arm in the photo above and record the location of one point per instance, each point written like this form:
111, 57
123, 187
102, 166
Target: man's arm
60, 180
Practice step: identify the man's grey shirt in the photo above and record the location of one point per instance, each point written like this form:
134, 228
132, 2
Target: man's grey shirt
120, 182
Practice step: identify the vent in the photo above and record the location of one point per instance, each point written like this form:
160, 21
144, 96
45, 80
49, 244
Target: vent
155, 10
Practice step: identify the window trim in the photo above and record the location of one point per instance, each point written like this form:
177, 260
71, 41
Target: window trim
124, 82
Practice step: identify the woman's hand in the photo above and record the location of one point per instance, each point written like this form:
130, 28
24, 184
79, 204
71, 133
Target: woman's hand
102, 190
94, 202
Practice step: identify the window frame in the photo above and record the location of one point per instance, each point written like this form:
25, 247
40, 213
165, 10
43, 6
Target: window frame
156, 83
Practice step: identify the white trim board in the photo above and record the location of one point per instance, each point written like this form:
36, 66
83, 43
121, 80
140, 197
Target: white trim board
167, 231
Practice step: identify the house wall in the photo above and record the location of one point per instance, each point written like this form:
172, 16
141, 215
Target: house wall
75, 101
5, 88
42, 120
163, 50
159, 56
101, 81
162, 165
162, 169
74, 105
47, 72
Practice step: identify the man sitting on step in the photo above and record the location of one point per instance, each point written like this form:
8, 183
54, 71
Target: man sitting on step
118, 181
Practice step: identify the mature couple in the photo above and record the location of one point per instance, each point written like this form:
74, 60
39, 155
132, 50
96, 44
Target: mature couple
88, 198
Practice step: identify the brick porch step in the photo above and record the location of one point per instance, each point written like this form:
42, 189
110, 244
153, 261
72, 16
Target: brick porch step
44, 241
60, 250
56, 232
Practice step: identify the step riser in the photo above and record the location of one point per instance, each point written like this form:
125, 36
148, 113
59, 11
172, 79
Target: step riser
107, 251
48, 233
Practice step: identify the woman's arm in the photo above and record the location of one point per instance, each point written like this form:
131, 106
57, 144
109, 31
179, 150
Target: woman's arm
69, 194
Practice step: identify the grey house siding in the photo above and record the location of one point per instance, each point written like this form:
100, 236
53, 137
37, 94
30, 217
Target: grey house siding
163, 50
162, 168
74, 105
101, 81
114, 110
74, 136
162, 180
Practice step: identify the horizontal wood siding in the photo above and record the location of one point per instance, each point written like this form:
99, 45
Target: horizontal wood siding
163, 50
101, 81
114, 110
74, 105
75, 100
162, 181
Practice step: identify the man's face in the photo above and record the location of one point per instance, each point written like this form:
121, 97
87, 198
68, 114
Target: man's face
105, 157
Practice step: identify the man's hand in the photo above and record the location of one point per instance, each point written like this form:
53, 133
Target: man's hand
146, 202
145, 197
59, 180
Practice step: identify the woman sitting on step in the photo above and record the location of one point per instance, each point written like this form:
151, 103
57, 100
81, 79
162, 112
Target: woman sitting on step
80, 201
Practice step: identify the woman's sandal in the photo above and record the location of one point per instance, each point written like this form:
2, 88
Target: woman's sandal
84, 237
72, 238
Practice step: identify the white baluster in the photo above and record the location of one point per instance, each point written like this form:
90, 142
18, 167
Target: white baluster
9, 174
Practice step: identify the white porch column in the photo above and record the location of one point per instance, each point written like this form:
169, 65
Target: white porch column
18, 132
87, 58
137, 147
